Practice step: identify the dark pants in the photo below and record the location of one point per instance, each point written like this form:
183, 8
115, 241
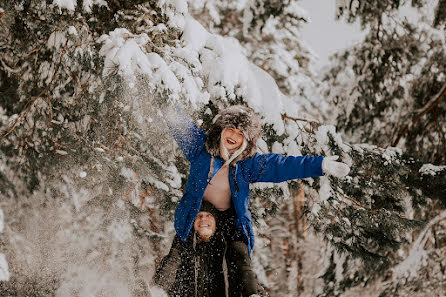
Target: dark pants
241, 276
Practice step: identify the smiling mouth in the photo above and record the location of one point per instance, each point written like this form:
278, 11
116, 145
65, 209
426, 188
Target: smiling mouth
230, 141
203, 226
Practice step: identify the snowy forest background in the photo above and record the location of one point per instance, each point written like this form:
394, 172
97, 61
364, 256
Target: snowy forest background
90, 177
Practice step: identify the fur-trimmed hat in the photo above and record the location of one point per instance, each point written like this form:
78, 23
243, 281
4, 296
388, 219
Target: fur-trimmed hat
239, 117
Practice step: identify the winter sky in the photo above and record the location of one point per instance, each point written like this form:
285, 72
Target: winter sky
324, 34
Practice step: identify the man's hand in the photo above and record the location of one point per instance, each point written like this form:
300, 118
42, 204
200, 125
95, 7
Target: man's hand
331, 167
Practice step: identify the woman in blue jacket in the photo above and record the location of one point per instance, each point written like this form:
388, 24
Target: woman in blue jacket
224, 162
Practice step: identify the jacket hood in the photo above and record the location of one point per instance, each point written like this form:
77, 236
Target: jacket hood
239, 117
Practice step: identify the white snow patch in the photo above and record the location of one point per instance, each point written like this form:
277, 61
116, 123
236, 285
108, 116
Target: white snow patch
124, 51
180, 6
323, 139
265, 97
61, 152
161, 185
88, 4
262, 146
4, 270
293, 149
163, 73
417, 258
157, 291
101, 98
194, 34
223, 65
2, 221
121, 231
82, 196
392, 153
67, 4
56, 40
72, 30
408, 209
339, 260
128, 173
175, 177
430, 169
175, 10
230, 74
325, 190
296, 10
277, 148
125, 54
158, 28
191, 87
91, 281
315, 209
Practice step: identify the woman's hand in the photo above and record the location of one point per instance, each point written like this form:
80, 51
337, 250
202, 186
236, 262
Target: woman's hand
332, 167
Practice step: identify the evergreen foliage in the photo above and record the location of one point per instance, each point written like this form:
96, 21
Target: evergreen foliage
390, 89
398, 95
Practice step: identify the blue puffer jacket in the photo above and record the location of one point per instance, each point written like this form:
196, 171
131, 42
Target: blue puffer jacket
259, 168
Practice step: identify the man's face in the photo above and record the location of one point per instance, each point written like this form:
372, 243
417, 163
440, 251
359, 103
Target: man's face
232, 138
205, 225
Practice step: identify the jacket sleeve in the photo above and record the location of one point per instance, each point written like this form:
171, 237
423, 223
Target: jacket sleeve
189, 137
166, 272
278, 168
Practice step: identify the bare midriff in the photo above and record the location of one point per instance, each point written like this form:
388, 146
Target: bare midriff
218, 192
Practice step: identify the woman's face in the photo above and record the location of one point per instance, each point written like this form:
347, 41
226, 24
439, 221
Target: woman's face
232, 138
205, 225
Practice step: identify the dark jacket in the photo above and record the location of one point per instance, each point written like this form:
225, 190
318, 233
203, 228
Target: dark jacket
253, 168
194, 269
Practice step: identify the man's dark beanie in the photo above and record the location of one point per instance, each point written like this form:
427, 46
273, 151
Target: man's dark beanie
208, 207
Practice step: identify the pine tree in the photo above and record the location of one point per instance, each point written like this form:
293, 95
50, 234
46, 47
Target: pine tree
390, 91
398, 96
